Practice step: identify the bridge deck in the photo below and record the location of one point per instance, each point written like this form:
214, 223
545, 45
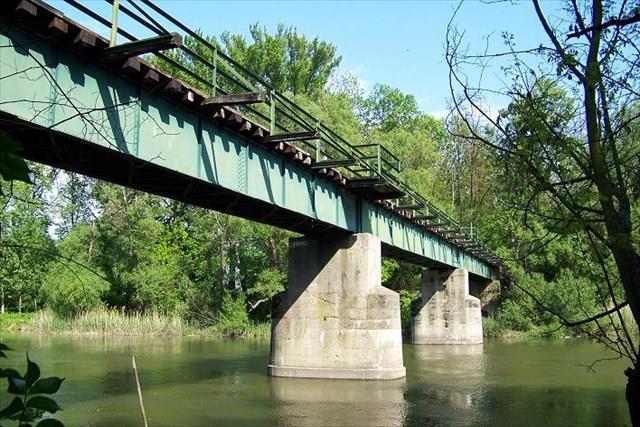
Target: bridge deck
126, 122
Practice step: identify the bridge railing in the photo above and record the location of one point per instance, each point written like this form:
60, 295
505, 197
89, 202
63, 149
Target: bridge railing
201, 63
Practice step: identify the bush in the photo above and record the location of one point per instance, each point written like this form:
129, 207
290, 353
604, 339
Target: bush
71, 290
513, 316
233, 319
490, 327
406, 298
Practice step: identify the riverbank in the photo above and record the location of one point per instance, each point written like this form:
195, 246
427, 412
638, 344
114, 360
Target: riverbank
117, 323
105, 322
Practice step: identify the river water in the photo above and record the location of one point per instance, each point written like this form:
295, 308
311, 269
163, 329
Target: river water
202, 382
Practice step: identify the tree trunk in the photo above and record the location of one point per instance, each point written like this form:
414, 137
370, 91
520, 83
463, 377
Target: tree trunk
92, 239
273, 252
2, 301
222, 265
19, 303
628, 264
633, 394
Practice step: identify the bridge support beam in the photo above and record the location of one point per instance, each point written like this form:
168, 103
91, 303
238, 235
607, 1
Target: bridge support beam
446, 314
335, 320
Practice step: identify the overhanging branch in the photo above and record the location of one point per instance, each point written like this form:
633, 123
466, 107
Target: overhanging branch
615, 22
597, 316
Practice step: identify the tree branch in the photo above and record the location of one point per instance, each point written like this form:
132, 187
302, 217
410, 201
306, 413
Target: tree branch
615, 22
597, 316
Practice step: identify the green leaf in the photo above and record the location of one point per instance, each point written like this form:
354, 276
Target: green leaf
33, 372
50, 422
47, 385
3, 347
9, 373
44, 403
17, 386
12, 408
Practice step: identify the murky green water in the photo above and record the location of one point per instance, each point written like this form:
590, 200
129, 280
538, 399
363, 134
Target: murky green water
199, 382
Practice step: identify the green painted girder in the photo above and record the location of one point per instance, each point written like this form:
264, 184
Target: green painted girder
49, 86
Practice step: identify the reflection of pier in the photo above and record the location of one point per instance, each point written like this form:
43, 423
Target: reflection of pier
452, 364
450, 379
313, 402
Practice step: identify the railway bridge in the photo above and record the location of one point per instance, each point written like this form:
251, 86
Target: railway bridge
209, 133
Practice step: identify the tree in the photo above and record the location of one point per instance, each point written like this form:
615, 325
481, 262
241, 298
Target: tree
387, 108
467, 167
25, 247
138, 249
288, 61
572, 103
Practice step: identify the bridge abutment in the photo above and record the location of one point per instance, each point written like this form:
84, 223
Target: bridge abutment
335, 320
446, 313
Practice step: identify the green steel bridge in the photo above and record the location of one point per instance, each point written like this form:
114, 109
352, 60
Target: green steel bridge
204, 131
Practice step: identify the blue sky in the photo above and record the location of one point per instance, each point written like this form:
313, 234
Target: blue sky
400, 43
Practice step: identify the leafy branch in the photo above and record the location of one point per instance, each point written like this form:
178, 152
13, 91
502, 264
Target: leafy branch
31, 402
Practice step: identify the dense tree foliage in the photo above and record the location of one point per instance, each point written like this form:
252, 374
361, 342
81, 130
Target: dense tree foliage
286, 60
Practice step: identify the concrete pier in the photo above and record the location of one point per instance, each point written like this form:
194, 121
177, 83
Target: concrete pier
446, 314
335, 320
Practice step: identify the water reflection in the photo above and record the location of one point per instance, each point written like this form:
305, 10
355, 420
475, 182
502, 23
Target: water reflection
313, 402
450, 382
454, 362
108, 344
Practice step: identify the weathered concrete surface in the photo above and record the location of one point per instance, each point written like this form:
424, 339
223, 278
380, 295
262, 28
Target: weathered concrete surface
446, 314
335, 320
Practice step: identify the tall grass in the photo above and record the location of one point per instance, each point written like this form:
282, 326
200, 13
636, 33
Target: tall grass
108, 322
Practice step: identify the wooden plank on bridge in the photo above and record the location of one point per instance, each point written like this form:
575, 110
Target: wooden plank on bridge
290, 137
58, 26
413, 207
85, 39
424, 217
27, 8
235, 99
333, 163
151, 77
140, 47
